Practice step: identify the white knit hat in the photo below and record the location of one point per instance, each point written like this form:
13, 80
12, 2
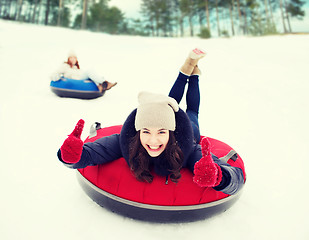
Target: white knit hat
155, 110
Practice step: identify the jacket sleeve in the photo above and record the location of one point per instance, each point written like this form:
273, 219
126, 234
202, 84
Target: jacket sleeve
232, 177
101, 151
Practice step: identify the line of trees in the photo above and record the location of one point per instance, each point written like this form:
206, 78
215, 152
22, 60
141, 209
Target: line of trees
169, 18
224, 17
82, 14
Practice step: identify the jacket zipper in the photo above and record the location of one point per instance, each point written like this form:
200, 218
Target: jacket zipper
166, 180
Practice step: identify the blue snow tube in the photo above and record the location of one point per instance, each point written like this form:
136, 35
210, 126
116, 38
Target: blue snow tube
72, 88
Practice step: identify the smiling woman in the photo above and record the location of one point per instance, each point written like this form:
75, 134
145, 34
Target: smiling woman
155, 125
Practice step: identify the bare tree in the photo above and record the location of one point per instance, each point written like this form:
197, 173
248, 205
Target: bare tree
18, 10
231, 17
39, 12
282, 16
190, 15
207, 15
34, 11
47, 12
59, 13
271, 13
287, 16
240, 16
217, 17
84, 15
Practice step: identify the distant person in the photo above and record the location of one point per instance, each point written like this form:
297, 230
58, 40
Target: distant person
158, 136
71, 69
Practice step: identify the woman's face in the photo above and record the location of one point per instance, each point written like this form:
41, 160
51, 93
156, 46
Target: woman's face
154, 140
72, 60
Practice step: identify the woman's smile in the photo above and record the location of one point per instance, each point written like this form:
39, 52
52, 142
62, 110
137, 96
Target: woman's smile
154, 148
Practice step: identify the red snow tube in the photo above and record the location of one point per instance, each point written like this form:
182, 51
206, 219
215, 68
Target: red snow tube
114, 187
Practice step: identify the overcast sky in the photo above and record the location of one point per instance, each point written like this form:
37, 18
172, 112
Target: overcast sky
129, 7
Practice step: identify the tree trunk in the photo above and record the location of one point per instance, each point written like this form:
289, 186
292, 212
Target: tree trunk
39, 12
266, 9
18, 10
239, 14
152, 28
84, 16
34, 11
29, 13
232, 21
0, 8
207, 15
59, 13
269, 19
287, 16
47, 12
200, 21
245, 23
282, 16
271, 14
218, 24
5, 9
181, 26
191, 25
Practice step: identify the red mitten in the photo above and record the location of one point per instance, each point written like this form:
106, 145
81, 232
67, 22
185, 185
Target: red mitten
71, 149
206, 172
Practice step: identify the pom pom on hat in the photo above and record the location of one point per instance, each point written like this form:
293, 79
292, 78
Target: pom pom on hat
72, 53
156, 110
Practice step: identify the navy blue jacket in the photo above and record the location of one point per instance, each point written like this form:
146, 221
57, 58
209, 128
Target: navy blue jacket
112, 147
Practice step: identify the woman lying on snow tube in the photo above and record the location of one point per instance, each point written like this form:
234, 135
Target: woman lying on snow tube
158, 141
70, 81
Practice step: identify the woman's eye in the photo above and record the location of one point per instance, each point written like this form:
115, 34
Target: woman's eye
145, 132
162, 132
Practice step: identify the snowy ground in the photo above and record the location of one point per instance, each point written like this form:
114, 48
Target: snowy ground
254, 97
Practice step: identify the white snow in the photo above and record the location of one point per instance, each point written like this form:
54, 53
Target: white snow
254, 97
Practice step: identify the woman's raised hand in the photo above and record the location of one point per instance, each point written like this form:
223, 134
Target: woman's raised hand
206, 172
71, 149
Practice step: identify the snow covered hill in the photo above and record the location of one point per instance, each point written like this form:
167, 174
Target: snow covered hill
254, 97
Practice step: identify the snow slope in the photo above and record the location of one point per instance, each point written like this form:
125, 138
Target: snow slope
254, 97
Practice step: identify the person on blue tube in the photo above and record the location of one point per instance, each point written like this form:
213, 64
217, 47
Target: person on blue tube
71, 69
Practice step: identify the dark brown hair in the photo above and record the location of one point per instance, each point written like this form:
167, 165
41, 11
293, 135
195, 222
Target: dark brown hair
71, 65
139, 160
